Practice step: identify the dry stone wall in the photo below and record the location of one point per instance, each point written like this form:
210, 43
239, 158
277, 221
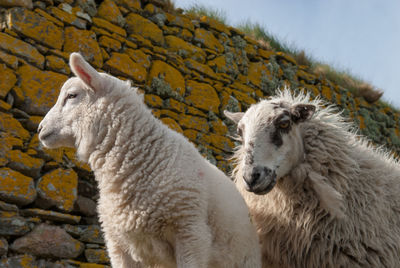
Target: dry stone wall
190, 69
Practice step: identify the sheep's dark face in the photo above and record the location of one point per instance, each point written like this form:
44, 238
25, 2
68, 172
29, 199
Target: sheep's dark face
271, 142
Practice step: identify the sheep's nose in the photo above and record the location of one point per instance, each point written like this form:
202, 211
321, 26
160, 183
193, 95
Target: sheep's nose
259, 179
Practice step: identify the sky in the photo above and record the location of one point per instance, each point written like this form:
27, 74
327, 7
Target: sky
359, 36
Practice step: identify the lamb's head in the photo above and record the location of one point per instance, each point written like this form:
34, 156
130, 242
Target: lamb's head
62, 125
271, 141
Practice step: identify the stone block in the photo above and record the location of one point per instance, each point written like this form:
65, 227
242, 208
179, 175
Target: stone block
109, 11
51, 215
24, 163
201, 68
92, 234
194, 122
202, 96
85, 206
171, 123
139, 57
16, 3
97, 256
67, 18
19, 261
185, 49
16, 188
104, 24
109, 43
40, 89
169, 74
10, 60
12, 224
48, 241
121, 64
83, 41
57, 64
3, 246
36, 27
7, 81
58, 188
136, 24
21, 49
208, 40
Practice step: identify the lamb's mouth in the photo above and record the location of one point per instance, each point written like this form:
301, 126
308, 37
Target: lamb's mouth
262, 182
267, 189
44, 136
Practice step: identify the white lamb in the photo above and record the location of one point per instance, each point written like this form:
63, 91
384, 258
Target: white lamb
161, 203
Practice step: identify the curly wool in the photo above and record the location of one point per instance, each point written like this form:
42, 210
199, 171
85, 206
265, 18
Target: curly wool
338, 208
161, 203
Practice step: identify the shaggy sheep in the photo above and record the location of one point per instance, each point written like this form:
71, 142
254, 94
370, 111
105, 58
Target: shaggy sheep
320, 195
161, 203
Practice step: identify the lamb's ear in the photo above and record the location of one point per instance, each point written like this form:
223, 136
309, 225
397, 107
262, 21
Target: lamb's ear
302, 112
235, 117
330, 199
84, 71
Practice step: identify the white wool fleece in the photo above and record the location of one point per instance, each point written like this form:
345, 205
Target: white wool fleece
161, 203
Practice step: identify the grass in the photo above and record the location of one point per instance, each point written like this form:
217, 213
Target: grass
201, 10
269, 41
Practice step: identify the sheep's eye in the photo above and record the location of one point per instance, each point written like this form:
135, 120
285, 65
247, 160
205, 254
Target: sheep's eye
284, 124
239, 131
71, 96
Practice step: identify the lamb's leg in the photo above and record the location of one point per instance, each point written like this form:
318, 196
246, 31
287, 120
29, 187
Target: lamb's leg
193, 245
119, 258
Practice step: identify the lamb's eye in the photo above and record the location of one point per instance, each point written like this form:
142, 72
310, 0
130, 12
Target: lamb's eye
71, 96
284, 124
239, 131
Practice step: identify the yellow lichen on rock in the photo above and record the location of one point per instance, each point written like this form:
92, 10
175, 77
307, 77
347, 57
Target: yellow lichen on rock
184, 49
11, 125
34, 26
172, 124
22, 49
169, 74
109, 26
16, 188
194, 122
208, 40
139, 57
59, 188
136, 24
109, 11
121, 64
257, 70
40, 89
7, 81
83, 41
202, 96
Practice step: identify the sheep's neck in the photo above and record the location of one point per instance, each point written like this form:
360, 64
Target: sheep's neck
130, 150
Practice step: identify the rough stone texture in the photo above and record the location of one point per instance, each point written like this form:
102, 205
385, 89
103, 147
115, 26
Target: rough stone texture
3, 246
16, 3
189, 69
16, 188
203, 96
7, 81
109, 11
51, 215
169, 74
85, 206
92, 234
85, 42
25, 164
121, 64
48, 241
12, 224
184, 49
97, 255
40, 89
20, 261
34, 26
58, 188
22, 49
136, 24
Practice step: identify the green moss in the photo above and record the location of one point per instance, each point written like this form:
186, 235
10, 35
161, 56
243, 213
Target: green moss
163, 89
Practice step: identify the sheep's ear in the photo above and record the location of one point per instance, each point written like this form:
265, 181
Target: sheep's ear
330, 199
235, 117
84, 71
302, 112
